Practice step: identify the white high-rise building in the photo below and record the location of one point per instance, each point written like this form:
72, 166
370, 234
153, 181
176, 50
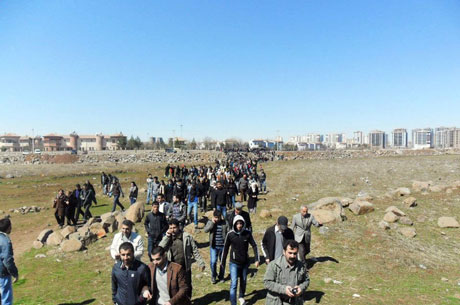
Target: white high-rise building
400, 138
358, 138
422, 138
377, 139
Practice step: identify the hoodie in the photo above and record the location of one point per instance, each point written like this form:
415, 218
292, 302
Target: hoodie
238, 243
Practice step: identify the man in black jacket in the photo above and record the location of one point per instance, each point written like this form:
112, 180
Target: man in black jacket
274, 239
237, 244
130, 278
155, 225
239, 211
169, 191
219, 199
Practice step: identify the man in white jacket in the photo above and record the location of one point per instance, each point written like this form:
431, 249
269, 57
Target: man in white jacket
127, 235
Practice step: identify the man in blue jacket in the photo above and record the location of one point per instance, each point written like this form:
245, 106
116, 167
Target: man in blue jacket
8, 268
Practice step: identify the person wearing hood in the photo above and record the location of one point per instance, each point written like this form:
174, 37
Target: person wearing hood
237, 243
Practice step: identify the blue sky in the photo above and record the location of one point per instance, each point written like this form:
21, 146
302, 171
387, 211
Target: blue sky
228, 68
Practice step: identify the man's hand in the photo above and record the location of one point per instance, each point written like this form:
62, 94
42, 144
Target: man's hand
257, 264
117, 256
15, 279
169, 232
214, 220
288, 292
299, 291
147, 295
167, 303
267, 261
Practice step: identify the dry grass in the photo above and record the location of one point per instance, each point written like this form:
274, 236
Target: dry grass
383, 267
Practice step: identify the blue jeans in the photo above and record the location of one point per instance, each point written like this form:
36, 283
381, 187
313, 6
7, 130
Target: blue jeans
6, 290
263, 186
216, 254
149, 195
233, 200
116, 201
132, 200
223, 209
237, 271
193, 204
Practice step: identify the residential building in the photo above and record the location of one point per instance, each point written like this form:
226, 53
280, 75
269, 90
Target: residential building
400, 138
358, 138
10, 142
377, 139
442, 137
422, 138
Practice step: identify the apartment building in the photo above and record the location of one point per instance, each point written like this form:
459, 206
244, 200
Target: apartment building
400, 138
377, 139
10, 142
422, 138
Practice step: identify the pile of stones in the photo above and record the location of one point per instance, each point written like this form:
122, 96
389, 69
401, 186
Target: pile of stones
26, 210
71, 238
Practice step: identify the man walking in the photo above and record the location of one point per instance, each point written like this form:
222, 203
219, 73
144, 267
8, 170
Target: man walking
130, 278
237, 244
286, 278
274, 239
239, 211
177, 210
217, 229
8, 269
78, 194
117, 192
156, 226
243, 187
169, 286
127, 235
301, 225
88, 198
219, 199
182, 249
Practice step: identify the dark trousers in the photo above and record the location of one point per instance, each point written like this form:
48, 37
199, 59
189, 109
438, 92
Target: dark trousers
59, 219
188, 280
70, 215
79, 212
152, 243
243, 194
116, 201
203, 201
87, 214
304, 249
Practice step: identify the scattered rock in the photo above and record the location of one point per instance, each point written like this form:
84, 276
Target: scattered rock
410, 202
43, 236
421, 186
327, 210
359, 207
67, 231
265, 214
327, 280
54, 239
37, 244
406, 221
346, 202
71, 245
384, 225
395, 211
390, 217
448, 222
135, 213
40, 256
408, 232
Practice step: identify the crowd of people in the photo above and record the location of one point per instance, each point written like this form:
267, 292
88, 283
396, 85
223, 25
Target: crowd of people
229, 186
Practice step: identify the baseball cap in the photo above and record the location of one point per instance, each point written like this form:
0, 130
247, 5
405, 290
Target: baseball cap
282, 222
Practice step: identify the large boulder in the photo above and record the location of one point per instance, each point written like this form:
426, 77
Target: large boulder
327, 210
359, 207
37, 244
43, 236
346, 201
410, 202
438, 188
448, 222
406, 221
135, 213
402, 191
110, 224
96, 227
55, 239
421, 186
71, 245
67, 231
408, 232
119, 218
88, 239
384, 225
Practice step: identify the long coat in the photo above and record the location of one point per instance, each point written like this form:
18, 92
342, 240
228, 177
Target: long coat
60, 205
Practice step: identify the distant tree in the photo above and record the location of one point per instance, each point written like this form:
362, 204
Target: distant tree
138, 143
122, 143
289, 147
208, 143
193, 144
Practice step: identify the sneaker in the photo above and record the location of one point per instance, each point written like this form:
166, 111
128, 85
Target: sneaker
213, 280
242, 301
